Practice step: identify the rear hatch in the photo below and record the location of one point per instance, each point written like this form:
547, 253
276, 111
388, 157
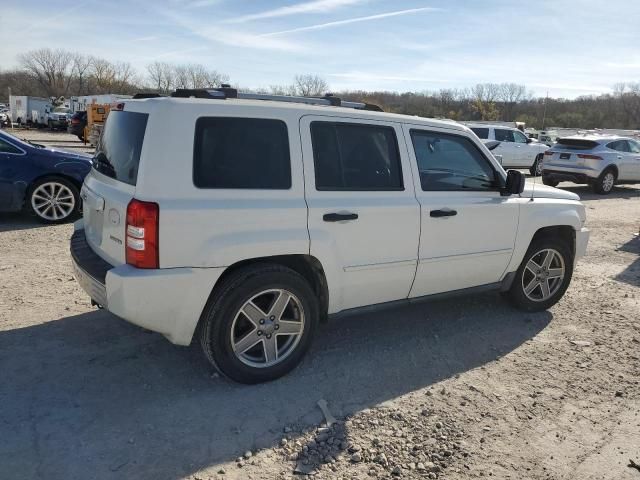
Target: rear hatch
111, 184
565, 151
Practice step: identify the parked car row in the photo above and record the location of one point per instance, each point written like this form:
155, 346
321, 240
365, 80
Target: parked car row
245, 221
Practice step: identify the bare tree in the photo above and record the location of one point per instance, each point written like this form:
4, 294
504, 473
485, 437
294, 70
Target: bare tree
80, 70
162, 76
310, 85
510, 94
51, 68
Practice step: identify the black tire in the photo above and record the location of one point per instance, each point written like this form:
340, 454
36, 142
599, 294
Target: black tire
601, 185
549, 182
50, 125
516, 293
534, 168
225, 303
77, 205
80, 137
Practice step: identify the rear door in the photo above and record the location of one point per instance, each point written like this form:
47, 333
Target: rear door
364, 220
510, 151
111, 184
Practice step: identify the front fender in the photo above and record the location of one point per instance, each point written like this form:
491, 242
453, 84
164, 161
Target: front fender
540, 213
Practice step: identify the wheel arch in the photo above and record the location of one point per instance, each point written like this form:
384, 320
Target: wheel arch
566, 232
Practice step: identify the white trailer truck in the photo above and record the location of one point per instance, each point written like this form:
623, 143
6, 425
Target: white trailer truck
29, 110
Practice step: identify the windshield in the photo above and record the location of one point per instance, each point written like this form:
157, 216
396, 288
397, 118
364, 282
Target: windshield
61, 110
118, 153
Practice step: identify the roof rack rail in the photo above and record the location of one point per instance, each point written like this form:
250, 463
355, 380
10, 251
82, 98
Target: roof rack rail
225, 91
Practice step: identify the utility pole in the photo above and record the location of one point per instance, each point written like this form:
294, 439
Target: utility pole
544, 113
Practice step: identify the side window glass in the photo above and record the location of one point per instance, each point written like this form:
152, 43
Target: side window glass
481, 132
8, 148
451, 163
519, 137
624, 146
504, 135
350, 156
634, 147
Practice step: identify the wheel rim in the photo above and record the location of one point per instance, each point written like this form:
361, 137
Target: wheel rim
543, 275
538, 168
607, 182
53, 201
267, 328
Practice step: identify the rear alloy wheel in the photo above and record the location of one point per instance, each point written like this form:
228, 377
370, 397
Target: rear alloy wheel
605, 182
54, 200
543, 276
259, 323
536, 168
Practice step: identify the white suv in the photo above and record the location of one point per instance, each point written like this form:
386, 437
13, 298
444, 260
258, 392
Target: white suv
246, 221
598, 160
516, 149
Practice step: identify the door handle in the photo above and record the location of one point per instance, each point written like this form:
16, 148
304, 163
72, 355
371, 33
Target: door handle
339, 217
619, 157
442, 213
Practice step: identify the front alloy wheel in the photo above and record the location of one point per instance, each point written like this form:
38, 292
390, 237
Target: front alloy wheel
543, 275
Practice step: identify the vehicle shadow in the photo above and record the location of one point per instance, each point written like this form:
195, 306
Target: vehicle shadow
18, 221
90, 396
619, 191
631, 274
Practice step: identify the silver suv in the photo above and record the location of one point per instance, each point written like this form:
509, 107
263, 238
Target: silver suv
600, 161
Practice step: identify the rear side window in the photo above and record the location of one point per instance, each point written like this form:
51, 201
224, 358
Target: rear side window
6, 147
504, 135
251, 153
451, 163
118, 152
350, 156
482, 133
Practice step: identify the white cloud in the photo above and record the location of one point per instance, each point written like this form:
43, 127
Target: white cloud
348, 21
314, 6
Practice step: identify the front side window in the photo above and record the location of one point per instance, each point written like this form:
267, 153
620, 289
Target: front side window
351, 156
519, 137
634, 147
503, 135
619, 146
248, 153
482, 133
451, 163
6, 147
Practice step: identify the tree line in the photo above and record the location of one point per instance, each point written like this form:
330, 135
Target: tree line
61, 73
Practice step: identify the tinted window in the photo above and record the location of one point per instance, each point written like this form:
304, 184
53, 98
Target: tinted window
519, 137
8, 148
349, 156
481, 132
118, 152
620, 146
504, 135
633, 146
241, 153
450, 162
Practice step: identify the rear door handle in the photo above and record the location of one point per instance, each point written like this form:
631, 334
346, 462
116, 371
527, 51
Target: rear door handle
339, 217
443, 213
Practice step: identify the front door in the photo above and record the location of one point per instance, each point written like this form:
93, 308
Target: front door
12, 163
632, 160
364, 219
468, 229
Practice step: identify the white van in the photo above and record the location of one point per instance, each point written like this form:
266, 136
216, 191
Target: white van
245, 220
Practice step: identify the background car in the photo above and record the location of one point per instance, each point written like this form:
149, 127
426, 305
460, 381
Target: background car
42, 180
58, 118
517, 150
600, 161
77, 124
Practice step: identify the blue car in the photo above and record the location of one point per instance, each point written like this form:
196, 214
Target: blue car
40, 180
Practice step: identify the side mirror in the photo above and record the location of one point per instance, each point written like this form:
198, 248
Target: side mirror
514, 184
529, 140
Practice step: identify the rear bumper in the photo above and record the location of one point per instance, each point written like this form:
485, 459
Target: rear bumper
167, 301
566, 176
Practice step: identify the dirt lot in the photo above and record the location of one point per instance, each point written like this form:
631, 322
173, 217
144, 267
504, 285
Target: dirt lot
453, 389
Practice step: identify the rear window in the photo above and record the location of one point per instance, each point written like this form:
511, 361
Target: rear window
251, 153
118, 152
481, 132
576, 144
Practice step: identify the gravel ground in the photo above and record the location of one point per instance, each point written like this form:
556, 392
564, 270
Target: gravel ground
452, 389
56, 139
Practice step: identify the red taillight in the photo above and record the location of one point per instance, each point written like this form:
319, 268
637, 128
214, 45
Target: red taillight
142, 234
589, 157
548, 152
